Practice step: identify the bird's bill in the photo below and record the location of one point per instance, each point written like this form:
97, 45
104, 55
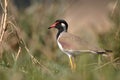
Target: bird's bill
53, 25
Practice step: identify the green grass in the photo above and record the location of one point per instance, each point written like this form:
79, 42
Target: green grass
87, 66
54, 65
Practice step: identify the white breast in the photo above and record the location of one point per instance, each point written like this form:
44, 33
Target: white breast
61, 48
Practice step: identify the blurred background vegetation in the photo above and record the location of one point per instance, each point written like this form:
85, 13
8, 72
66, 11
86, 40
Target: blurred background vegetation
97, 21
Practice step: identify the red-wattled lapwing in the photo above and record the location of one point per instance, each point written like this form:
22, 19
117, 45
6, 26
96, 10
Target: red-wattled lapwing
71, 44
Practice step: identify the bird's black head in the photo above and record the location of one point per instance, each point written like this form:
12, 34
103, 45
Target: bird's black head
60, 24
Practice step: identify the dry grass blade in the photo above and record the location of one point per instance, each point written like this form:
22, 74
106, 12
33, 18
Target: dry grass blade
1, 24
106, 64
18, 53
3, 21
114, 7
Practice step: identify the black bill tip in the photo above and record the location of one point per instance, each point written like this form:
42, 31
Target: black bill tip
49, 28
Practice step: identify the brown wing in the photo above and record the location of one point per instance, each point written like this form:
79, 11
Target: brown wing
71, 42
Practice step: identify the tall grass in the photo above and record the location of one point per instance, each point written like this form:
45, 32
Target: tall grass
29, 52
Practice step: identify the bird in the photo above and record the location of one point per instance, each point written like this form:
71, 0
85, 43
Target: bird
73, 45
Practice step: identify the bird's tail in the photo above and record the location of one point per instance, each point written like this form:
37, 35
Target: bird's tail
106, 53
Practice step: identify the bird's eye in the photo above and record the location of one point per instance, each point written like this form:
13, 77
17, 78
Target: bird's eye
62, 24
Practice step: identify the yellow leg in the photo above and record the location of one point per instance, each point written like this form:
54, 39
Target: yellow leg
72, 63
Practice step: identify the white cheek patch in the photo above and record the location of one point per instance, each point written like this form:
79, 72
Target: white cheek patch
62, 24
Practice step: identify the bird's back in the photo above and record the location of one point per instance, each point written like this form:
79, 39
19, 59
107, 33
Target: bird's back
71, 42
